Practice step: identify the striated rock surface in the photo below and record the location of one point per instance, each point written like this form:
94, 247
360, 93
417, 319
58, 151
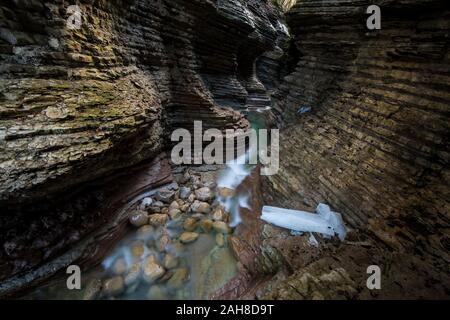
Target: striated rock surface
76, 104
375, 144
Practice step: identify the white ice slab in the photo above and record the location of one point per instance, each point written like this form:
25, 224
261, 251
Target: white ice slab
324, 221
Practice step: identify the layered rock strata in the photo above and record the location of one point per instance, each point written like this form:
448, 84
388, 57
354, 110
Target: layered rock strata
78, 104
375, 144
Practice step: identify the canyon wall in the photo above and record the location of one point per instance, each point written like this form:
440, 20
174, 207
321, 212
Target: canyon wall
77, 104
81, 104
374, 145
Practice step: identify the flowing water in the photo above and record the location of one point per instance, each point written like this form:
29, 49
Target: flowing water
152, 262
191, 270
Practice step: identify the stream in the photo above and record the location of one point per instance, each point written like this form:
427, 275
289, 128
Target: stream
177, 245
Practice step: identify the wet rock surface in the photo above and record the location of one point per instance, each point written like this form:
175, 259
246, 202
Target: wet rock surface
81, 105
169, 257
59, 86
371, 145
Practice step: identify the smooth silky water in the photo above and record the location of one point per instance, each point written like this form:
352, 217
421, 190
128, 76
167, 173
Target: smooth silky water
200, 268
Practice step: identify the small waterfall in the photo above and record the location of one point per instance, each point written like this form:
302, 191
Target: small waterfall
235, 173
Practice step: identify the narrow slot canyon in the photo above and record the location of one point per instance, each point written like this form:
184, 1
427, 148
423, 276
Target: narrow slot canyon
90, 102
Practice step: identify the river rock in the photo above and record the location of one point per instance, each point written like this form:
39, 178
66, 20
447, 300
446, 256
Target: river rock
225, 192
198, 216
190, 224
138, 218
145, 232
185, 177
164, 195
191, 198
165, 277
174, 205
177, 248
200, 207
158, 219
221, 227
188, 237
146, 204
163, 242
170, 261
196, 182
184, 192
220, 239
119, 267
137, 249
218, 214
206, 225
175, 225
184, 207
157, 292
157, 207
204, 194
113, 287
93, 289
180, 276
133, 275
174, 213
152, 270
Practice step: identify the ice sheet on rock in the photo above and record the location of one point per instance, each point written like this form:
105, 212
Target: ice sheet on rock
312, 240
324, 221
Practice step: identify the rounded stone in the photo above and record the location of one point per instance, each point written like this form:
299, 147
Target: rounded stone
200, 207
225, 192
218, 214
170, 261
185, 192
119, 267
174, 205
191, 198
220, 239
138, 218
157, 292
163, 242
158, 219
164, 195
137, 249
221, 227
145, 232
179, 277
174, 213
198, 216
204, 194
146, 203
188, 237
190, 224
206, 225
133, 274
152, 271
114, 286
